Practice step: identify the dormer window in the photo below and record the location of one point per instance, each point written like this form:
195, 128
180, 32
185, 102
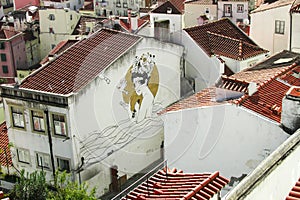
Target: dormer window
169, 10
51, 17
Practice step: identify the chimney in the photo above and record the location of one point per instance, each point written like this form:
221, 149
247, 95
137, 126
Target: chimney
129, 20
290, 114
252, 88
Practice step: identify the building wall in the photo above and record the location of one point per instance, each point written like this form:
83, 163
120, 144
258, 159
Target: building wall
72, 4
295, 33
33, 52
1, 12
33, 141
262, 29
22, 3
193, 11
239, 65
174, 25
62, 27
235, 15
105, 133
15, 55
280, 181
227, 138
199, 66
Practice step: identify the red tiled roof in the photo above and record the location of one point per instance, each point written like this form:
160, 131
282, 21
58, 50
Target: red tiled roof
125, 25
5, 157
275, 4
59, 48
7, 33
205, 97
267, 101
163, 8
295, 192
224, 38
176, 185
78, 65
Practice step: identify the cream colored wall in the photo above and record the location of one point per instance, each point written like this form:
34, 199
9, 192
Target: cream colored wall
193, 11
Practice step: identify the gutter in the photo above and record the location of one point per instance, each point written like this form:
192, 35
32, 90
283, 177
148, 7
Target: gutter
265, 168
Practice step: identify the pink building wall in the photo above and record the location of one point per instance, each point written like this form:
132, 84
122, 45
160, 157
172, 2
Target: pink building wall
22, 3
15, 56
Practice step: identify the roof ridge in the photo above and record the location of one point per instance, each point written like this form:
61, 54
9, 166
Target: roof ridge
267, 82
208, 23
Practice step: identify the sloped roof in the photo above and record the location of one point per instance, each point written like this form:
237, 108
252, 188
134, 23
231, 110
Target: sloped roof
273, 5
224, 38
126, 26
295, 7
8, 33
200, 2
295, 192
175, 184
163, 8
5, 157
80, 64
59, 48
272, 84
205, 97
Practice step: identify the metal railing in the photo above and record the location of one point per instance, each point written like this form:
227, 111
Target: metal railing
124, 192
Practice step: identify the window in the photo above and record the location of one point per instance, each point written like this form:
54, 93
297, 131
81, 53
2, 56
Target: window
38, 122
68, 5
125, 4
227, 10
63, 165
2, 45
79, 2
71, 17
51, 17
17, 117
59, 124
5, 69
207, 10
52, 46
240, 8
279, 27
43, 160
23, 156
3, 57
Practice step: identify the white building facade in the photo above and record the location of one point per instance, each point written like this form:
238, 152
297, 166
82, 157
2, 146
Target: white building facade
99, 127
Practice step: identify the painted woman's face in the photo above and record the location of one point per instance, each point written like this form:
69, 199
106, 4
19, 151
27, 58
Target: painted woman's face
137, 84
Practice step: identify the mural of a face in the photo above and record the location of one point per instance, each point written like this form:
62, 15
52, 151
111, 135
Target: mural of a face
140, 86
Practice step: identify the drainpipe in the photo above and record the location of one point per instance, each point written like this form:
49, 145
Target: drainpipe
50, 141
291, 23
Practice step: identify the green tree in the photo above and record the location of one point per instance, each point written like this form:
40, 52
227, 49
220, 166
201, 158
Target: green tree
30, 187
69, 190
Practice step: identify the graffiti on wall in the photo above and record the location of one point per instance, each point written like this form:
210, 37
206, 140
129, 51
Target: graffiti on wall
138, 89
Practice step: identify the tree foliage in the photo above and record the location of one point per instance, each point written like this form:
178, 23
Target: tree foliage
69, 190
34, 187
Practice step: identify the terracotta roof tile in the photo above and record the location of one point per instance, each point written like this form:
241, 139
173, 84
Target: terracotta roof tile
59, 48
224, 38
295, 192
276, 4
5, 157
175, 184
163, 8
125, 25
7, 33
205, 97
78, 65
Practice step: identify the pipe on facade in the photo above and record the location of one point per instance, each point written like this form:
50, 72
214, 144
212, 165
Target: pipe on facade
50, 141
291, 23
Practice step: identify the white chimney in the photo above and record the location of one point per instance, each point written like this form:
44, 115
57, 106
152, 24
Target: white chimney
290, 114
252, 88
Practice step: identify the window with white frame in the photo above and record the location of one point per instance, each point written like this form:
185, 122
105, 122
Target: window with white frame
59, 124
227, 10
17, 117
240, 8
38, 121
23, 156
279, 26
43, 161
63, 164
